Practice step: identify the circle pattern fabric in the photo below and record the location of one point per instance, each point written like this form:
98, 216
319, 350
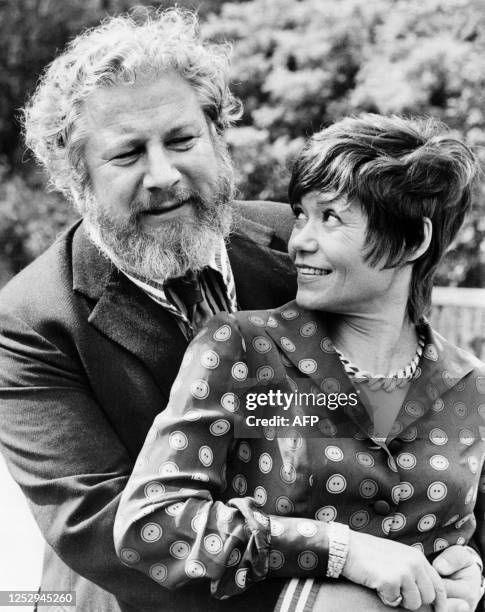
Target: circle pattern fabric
206, 503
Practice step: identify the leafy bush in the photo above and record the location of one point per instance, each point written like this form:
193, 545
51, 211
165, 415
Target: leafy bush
30, 220
297, 65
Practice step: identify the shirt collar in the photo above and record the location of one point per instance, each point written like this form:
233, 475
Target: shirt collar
219, 262
303, 337
309, 338
445, 363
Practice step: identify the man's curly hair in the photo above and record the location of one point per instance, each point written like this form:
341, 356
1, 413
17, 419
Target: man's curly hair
144, 44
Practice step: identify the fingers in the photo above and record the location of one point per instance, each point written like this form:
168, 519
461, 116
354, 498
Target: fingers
426, 587
457, 605
411, 593
463, 589
453, 559
390, 596
403, 577
431, 588
440, 594
464, 584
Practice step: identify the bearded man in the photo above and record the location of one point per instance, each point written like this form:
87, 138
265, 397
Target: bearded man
129, 122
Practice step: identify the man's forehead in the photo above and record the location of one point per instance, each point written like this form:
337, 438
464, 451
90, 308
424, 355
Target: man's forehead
167, 98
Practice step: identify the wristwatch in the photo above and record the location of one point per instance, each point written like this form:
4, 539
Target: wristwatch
338, 548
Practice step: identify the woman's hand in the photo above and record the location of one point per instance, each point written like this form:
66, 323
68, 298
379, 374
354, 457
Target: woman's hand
394, 570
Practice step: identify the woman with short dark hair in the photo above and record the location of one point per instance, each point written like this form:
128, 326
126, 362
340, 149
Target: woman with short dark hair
338, 435
401, 172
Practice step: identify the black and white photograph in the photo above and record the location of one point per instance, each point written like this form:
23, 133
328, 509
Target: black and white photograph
242, 305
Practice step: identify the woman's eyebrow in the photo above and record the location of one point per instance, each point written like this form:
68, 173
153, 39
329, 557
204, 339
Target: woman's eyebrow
340, 204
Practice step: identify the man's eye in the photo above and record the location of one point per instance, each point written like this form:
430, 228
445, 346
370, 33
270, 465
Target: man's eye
126, 156
182, 142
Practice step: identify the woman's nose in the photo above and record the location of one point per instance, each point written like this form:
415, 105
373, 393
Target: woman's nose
303, 238
161, 172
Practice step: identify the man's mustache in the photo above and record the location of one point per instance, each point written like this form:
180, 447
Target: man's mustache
167, 200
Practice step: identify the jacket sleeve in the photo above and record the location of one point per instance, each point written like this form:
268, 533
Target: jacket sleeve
68, 460
179, 520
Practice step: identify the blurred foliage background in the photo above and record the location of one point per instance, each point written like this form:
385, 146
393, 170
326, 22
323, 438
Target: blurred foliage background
297, 65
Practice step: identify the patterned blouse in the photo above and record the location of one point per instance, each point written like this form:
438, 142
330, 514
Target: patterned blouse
234, 495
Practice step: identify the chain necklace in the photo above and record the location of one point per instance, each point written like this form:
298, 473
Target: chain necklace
378, 381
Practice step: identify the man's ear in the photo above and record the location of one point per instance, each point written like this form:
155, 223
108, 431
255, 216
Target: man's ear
423, 247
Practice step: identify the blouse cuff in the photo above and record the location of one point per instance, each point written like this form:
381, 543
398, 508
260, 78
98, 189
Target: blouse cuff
299, 547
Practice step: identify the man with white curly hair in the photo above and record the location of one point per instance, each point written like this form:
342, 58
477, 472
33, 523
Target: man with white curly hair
128, 122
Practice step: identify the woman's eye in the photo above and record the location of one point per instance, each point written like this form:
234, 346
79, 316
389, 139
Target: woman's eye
331, 218
298, 212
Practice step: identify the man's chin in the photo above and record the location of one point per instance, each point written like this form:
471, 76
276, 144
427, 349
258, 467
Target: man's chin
159, 255
162, 246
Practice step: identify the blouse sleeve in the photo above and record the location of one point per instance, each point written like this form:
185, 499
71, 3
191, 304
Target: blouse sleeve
170, 523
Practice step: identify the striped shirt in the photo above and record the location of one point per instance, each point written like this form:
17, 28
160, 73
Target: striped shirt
218, 293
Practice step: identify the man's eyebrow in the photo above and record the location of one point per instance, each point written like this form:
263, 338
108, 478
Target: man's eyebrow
122, 143
126, 132
128, 140
182, 127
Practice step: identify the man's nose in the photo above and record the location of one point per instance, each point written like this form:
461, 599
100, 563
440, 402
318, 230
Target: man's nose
160, 172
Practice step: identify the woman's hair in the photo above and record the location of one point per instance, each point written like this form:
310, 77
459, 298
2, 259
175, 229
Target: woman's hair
399, 170
141, 45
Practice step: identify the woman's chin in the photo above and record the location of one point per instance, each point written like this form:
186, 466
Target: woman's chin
309, 301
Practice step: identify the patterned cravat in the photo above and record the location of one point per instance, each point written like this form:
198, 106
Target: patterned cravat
187, 289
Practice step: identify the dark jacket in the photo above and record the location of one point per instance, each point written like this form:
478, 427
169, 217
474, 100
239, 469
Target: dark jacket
86, 362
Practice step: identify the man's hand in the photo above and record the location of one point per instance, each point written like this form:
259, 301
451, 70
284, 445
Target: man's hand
459, 568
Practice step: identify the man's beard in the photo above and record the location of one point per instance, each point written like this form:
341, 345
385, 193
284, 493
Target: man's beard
179, 244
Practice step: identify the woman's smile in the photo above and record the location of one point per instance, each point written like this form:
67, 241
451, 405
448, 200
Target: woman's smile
328, 246
305, 271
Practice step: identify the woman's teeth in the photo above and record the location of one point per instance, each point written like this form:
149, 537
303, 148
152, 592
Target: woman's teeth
314, 271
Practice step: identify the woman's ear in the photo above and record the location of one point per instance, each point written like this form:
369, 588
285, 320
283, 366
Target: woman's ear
423, 247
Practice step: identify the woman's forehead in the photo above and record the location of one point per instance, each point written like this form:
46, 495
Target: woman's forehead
340, 202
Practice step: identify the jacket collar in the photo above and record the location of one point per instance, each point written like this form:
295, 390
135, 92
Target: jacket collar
125, 314
93, 271
304, 338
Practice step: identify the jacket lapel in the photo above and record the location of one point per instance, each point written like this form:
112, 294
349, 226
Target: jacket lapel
125, 314
264, 278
